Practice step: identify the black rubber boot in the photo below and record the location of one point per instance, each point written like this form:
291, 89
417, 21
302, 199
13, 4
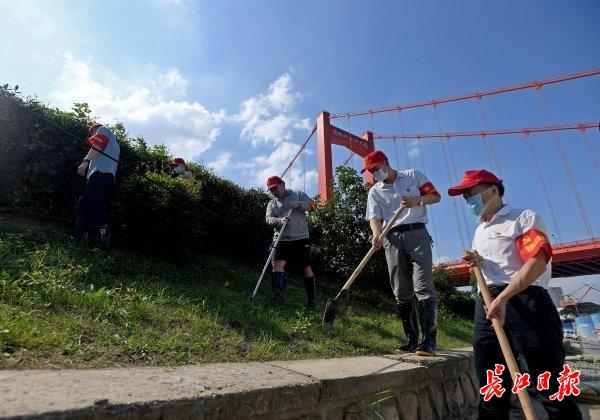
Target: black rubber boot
429, 344
278, 286
421, 312
407, 312
309, 286
105, 236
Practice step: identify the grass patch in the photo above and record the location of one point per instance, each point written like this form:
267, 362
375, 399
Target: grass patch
83, 308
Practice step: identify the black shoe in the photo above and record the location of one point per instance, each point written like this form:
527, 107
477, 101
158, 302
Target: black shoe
105, 237
409, 347
425, 349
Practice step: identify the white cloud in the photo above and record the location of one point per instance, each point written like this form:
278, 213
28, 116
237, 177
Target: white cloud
174, 82
413, 152
269, 118
263, 166
222, 162
145, 107
29, 15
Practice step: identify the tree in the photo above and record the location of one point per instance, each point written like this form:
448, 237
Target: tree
341, 233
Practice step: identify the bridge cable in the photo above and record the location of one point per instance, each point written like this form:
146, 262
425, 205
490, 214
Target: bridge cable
590, 149
436, 244
566, 165
300, 151
456, 177
453, 200
492, 155
304, 169
404, 140
490, 92
544, 188
492, 146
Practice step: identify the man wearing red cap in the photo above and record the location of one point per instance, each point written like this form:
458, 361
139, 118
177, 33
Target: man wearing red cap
180, 169
407, 246
511, 246
294, 244
99, 169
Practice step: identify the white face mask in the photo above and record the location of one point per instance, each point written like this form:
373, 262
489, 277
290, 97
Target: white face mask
178, 169
380, 174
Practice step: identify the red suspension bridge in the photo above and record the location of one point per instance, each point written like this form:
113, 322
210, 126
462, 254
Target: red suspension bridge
571, 258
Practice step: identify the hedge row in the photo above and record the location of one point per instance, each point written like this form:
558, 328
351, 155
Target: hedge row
152, 210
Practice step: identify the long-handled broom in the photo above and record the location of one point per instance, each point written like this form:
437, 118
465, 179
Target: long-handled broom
332, 304
504, 345
272, 253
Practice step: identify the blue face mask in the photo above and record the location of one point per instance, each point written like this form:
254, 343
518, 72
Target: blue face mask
475, 204
380, 174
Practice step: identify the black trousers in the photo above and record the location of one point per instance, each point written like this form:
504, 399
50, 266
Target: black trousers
534, 331
91, 205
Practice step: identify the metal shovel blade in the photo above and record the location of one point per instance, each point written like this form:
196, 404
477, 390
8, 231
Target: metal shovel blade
329, 314
331, 308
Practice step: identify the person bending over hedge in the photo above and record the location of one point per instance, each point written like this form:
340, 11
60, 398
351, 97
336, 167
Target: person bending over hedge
99, 170
294, 245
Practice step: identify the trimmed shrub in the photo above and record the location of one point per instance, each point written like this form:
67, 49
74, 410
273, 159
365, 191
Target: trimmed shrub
158, 213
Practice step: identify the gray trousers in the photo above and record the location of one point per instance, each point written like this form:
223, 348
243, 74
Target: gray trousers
409, 260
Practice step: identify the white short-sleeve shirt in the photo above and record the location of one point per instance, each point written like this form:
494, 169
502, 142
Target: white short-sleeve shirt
384, 199
496, 242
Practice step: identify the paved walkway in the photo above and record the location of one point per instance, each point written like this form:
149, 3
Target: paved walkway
409, 386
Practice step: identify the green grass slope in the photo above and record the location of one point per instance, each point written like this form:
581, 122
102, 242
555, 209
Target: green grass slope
83, 308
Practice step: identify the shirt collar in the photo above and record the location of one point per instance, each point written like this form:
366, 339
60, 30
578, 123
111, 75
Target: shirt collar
502, 212
391, 184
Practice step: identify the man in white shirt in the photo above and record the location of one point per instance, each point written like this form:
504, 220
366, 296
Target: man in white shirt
99, 169
407, 246
511, 246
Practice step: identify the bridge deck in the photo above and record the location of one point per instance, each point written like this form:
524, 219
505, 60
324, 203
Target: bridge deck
571, 259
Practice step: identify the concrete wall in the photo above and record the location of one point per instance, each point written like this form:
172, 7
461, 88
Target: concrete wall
388, 387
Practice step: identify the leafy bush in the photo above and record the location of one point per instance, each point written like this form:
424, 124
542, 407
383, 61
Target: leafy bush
449, 297
38, 161
341, 234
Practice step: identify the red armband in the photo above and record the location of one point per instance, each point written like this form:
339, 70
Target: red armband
428, 188
99, 141
532, 242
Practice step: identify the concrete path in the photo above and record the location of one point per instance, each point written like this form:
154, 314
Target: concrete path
224, 390
389, 387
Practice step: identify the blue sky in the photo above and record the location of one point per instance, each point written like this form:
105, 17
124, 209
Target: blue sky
237, 84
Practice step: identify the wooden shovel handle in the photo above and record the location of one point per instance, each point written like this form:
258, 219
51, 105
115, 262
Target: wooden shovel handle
367, 257
504, 345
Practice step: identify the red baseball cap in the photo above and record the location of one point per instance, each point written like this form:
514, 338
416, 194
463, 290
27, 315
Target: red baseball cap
92, 128
472, 178
178, 161
372, 159
273, 181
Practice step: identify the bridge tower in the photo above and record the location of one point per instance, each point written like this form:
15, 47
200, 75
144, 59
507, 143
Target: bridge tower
327, 135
